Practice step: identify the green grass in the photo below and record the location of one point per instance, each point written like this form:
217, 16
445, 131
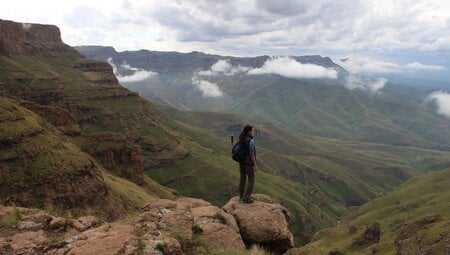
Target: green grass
130, 195
420, 196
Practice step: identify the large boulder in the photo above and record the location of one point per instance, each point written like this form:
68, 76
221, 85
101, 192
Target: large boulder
186, 217
263, 222
218, 227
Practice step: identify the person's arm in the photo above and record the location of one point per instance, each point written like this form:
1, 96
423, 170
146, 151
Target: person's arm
252, 154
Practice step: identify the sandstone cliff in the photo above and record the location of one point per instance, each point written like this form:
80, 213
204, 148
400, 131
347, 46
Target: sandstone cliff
28, 39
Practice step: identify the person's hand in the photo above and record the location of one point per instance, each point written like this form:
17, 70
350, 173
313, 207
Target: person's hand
255, 168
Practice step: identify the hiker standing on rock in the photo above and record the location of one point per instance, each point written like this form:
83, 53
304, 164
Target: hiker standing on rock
247, 163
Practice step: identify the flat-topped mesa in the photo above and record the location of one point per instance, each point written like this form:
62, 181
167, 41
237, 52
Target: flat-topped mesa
28, 39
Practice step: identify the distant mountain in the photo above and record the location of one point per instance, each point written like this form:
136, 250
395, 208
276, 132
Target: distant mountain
187, 63
324, 107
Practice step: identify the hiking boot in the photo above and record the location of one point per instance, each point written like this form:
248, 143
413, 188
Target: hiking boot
247, 201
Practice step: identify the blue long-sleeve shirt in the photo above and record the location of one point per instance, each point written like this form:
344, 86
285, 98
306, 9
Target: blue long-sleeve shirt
251, 150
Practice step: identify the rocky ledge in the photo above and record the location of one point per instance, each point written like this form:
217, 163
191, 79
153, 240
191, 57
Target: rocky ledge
182, 226
263, 222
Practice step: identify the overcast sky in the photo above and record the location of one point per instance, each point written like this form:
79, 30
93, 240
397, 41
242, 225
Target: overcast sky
406, 32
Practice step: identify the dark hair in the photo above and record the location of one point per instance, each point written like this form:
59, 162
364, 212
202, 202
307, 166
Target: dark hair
244, 134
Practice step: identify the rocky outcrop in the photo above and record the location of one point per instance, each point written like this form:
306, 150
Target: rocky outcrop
97, 72
188, 218
164, 226
117, 154
29, 39
263, 222
371, 235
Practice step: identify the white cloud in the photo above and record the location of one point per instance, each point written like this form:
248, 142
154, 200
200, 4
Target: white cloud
356, 82
207, 88
290, 68
244, 27
365, 64
111, 63
138, 73
442, 101
442, 43
224, 67
419, 66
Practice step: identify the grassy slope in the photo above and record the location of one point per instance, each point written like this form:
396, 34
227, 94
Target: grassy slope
35, 151
420, 196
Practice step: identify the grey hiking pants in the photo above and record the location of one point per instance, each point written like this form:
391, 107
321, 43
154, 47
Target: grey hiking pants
246, 173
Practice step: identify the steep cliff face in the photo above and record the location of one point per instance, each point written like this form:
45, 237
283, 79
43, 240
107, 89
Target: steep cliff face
83, 99
29, 39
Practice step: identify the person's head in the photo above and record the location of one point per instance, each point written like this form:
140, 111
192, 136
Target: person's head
246, 131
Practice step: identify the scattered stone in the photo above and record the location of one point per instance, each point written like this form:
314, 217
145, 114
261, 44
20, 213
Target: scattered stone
58, 224
83, 223
89, 221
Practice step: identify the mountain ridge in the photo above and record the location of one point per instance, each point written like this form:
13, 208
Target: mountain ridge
396, 114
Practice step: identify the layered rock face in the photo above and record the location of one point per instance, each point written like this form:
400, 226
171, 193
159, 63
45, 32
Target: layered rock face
182, 226
28, 39
98, 72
